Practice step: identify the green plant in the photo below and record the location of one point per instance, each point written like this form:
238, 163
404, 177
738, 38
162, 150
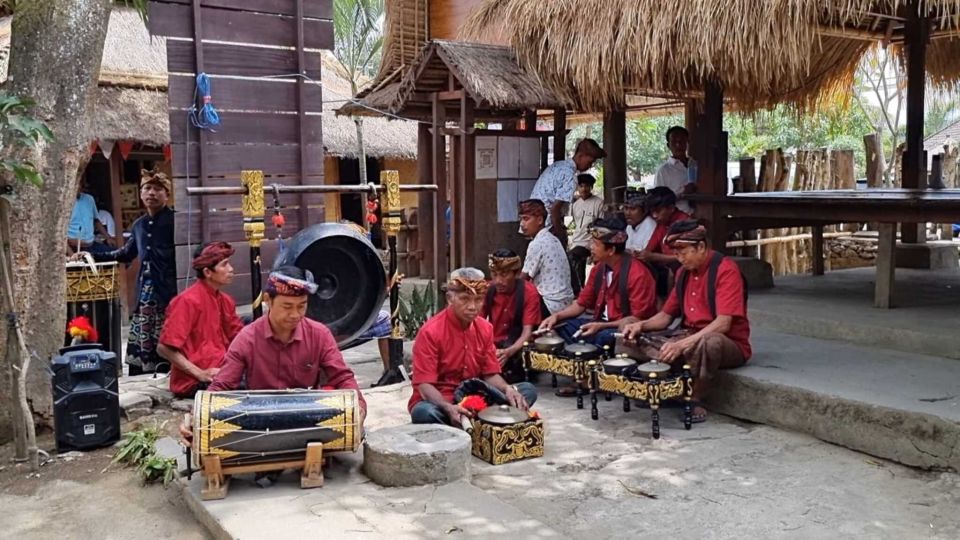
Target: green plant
156, 468
20, 131
416, 308
139, 450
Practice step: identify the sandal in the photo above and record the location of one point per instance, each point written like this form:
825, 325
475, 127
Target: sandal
567, 391
701, 417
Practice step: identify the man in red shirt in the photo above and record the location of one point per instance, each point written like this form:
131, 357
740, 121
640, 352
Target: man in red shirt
201, 322
512, 305
620, 290
661, 204
456, 345
710, 299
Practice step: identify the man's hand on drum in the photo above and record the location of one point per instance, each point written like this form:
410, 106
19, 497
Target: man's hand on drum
672, 350
631, 331
591, 328
548, 323
516, 399
186, 430
78, 256
454, 412
504, 354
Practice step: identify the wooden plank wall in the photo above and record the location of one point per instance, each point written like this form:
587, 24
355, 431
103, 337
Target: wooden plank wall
252, 50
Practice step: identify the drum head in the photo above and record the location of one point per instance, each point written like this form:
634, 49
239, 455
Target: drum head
653, 367
586, 351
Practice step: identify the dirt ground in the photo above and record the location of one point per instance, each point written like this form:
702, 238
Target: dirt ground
74, 498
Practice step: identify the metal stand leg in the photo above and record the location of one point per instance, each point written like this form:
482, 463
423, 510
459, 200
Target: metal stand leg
553, 380
608, 396
626, 404
687, 397
655, 418
579, 384
594, 384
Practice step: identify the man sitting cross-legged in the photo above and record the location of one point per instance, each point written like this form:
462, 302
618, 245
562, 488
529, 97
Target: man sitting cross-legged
201, 322
710, 299
284, 349
512, 305
454, 346
620, 290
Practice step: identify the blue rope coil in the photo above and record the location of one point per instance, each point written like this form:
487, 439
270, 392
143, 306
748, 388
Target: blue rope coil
206, 117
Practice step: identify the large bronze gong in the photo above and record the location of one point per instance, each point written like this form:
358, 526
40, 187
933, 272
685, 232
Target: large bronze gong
352, 283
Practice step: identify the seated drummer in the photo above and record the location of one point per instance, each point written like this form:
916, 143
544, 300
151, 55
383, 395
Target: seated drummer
661, 204
512, 305
715, 313
284, 349
453, 346
620, 290
201, 322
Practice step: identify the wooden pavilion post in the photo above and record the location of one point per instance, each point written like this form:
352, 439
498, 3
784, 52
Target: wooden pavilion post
466, 174
615, 164
439, 145
916, 36
427, 229
712, 171
559, 134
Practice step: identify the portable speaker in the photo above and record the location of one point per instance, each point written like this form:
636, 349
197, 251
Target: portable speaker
86, 403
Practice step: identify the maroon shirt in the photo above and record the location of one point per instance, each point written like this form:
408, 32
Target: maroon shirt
446, 354
310, 360
730, 301
656, 244
200, 323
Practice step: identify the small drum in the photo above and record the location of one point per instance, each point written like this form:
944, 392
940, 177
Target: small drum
618, 364
259, 426
549, 343
93, 291
501, 434
581, 352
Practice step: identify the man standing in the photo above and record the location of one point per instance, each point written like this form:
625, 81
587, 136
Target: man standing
201, 322
710, 300
585, 210
557, 183
84, 224
454, 346
284, 349
512, 305
620, 290
640, 225
679, 172
546, 265
151, 240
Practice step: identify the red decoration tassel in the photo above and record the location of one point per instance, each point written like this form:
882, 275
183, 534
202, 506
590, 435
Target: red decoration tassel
473, 404
82, 330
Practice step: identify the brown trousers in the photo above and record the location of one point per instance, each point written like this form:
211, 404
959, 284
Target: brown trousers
712, 353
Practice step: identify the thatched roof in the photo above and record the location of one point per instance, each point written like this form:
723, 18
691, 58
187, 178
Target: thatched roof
761, 52
489, 74
131, 114
381, 137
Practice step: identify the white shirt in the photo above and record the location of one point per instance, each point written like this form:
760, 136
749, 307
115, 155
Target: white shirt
106, 219
549, 269
558, 182
638, 237
675, 175
584, 212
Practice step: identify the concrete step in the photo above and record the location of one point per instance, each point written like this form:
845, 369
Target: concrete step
839, 306
895, 405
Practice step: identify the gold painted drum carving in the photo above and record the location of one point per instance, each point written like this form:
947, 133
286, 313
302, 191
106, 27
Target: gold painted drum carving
261, 426
91, 283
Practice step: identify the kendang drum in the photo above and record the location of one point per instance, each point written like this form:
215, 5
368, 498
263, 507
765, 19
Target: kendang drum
502, 434
256, 426
93, 291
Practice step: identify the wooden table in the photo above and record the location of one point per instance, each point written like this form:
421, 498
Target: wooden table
887, 207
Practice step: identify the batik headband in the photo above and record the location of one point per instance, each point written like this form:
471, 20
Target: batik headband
212, 254
282, 285
607, 235
685, 232
504, 264
473, 286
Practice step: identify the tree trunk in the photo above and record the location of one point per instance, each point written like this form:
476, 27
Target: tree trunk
60, 74
876, 165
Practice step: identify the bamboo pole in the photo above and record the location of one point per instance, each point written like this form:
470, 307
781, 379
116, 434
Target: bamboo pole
783, 239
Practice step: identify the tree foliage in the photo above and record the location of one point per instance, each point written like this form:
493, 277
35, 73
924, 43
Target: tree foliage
20, 131
358, 38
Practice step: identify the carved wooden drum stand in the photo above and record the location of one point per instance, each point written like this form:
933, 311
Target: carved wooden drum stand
651, 382
571, 360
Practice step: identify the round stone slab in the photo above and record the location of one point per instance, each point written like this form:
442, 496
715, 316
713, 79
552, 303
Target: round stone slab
416, 454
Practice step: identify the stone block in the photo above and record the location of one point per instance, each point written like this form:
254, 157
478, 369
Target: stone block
135, 405
416, 454
929, 256
759, 274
